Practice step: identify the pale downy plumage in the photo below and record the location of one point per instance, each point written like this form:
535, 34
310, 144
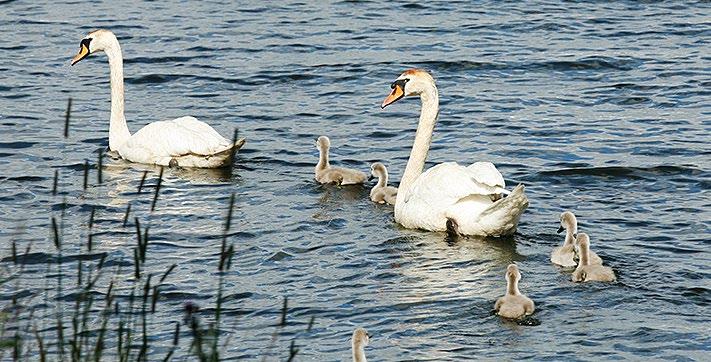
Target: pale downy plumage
381, 192
469, 197
513, 305
184, 141
326, 174
565, 255
586, 272
360, 339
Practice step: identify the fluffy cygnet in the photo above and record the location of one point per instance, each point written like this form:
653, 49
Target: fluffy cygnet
565, 255
586, 272
513, 305
381, 192
360, 339
325, 174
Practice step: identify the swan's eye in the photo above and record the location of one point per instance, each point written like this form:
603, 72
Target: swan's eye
85, 42
399, 82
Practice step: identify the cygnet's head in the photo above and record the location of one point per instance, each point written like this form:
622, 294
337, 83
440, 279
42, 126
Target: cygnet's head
377, 169
411, 82
323, 143
360, 338
512, 273
96, 41
568, 222
582, 241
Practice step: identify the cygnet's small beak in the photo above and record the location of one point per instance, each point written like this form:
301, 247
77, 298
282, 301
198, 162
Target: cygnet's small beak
369, 335
560, 229
371, 177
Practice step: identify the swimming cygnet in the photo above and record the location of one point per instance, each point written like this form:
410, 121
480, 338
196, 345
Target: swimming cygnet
382, 193
593, 258
565, 255
586, 272
326, 174
513, 305
359, 340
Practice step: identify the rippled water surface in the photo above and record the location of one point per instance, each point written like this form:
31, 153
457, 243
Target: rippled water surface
598, 108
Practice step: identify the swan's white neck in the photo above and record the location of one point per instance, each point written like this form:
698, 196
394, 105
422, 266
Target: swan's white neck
322, 159
118, 130
423, 139
512, 287
358, 353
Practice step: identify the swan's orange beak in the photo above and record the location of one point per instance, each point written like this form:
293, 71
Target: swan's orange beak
83, 52
394, 96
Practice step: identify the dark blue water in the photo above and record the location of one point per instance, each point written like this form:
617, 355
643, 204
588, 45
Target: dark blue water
600, 108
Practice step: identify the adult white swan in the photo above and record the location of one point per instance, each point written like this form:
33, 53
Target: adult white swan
184, 141
466, 200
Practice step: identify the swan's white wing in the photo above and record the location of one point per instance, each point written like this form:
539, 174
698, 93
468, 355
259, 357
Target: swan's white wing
487, 174
450, 182
174, 138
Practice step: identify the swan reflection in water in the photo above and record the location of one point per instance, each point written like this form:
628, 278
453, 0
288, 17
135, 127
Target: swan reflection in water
435, 266
123, 179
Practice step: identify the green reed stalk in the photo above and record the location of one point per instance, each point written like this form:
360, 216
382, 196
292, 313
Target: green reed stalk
128, 211
54, 184
155, 196
67, 115
143, 180
40, 345
86, 174
100, 167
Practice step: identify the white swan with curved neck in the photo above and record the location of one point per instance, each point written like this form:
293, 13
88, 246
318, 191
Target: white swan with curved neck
468, 197
183, 141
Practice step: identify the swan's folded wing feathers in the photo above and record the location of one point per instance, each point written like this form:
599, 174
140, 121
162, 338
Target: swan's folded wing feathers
182, 136
454, 182
487, 174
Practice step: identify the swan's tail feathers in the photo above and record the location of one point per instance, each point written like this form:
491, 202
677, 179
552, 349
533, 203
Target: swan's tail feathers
501, 218
238, 144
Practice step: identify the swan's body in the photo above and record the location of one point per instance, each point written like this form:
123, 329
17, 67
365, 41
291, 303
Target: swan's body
184, 141
470, 197
586, 272
565, 255
381, 192
513, 305
324, 173
359, 340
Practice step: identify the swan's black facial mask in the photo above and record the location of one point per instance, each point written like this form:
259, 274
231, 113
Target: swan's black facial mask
83, 51
398, 92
